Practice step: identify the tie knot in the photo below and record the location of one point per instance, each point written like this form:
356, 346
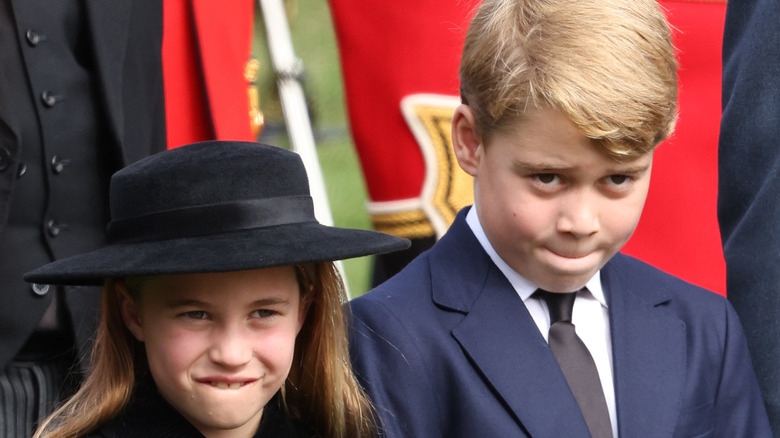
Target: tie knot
560, 305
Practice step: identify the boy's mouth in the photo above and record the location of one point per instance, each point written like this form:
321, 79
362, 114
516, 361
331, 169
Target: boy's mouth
570, 255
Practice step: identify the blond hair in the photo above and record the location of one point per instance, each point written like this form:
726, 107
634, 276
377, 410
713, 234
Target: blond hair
608, 65
321, 390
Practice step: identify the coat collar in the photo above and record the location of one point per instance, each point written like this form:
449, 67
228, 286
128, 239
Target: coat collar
501, 339
649, 348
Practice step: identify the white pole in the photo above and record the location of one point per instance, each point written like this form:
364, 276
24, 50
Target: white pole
288, 69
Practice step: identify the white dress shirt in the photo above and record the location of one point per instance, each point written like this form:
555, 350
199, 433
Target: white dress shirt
590, 315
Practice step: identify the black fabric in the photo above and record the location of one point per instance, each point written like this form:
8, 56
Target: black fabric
387, 265
29, 391
749, 183
148, 415
576, 363
213, 218
117, 48
60, 106
198, 183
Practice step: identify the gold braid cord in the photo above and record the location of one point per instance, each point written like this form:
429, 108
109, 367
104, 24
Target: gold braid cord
256, 118
446, 188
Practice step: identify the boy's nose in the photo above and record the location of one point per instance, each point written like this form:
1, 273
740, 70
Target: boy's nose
578, 216
231, 347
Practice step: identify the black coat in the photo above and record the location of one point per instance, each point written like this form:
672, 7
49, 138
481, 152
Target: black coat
148, 415
125, 43
749, 183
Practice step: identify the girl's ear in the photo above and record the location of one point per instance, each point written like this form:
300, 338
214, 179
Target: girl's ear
466, 142
129, 310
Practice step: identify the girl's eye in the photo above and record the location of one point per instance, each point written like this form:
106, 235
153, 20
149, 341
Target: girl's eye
263, 313
196, 314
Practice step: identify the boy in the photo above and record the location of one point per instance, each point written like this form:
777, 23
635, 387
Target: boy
563, 104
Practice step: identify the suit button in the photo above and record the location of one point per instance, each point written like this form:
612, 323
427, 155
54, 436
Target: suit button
21, 170
50, 99
33, 37
58, 164
54, 229
5, 159
40, 289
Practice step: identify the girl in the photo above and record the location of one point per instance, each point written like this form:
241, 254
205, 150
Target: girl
221, 305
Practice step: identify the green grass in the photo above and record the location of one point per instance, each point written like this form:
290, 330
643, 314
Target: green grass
314, 43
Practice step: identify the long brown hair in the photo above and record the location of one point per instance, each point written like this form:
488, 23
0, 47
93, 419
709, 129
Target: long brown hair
320, 391
108, 385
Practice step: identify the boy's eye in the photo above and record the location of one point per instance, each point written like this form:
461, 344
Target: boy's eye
196, 314
618, 179
547, 178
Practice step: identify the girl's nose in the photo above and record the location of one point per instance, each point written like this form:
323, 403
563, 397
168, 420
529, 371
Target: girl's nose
231, 347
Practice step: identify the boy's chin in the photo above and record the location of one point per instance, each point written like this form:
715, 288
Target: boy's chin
566, 280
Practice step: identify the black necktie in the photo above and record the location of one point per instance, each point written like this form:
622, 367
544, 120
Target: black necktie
576, 363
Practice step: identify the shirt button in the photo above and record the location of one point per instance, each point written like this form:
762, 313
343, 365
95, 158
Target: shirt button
33, 37
50, 99
40, 289
54, 228
58, 164
21, 170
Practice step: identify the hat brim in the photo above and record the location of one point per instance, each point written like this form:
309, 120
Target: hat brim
234, 251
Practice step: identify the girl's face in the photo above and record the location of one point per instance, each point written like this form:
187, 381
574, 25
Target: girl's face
219, 345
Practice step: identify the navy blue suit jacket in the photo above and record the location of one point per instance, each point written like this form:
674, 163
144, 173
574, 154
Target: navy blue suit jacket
446, 348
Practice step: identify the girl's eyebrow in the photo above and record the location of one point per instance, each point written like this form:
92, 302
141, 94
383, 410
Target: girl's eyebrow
186, 302
270, 302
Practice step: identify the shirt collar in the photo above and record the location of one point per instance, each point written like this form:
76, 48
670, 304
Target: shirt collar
523, 287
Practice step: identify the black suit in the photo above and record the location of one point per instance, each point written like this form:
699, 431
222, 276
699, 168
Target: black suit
64, 128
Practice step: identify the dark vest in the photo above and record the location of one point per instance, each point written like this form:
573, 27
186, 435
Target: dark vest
59, 202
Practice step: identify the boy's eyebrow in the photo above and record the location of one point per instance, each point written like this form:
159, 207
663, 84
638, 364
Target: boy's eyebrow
541, 165
630, 168
549, 166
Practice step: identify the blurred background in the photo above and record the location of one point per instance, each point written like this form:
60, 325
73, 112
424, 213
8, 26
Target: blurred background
315, 44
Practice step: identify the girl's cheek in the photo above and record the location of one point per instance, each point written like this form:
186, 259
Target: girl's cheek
175, 347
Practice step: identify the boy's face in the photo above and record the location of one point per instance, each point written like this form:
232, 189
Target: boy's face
219, 345
554, 207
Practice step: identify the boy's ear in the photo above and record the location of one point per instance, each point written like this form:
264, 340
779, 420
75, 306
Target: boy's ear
466, 142
128, 310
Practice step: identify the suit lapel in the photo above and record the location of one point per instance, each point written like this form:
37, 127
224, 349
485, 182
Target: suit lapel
109, 26
501, 339
648, 344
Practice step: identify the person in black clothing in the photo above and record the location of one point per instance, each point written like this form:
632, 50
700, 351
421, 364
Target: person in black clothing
749, 183
81, 95
222, 308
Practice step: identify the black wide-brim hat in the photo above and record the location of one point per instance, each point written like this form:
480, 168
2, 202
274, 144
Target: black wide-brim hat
212, 207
